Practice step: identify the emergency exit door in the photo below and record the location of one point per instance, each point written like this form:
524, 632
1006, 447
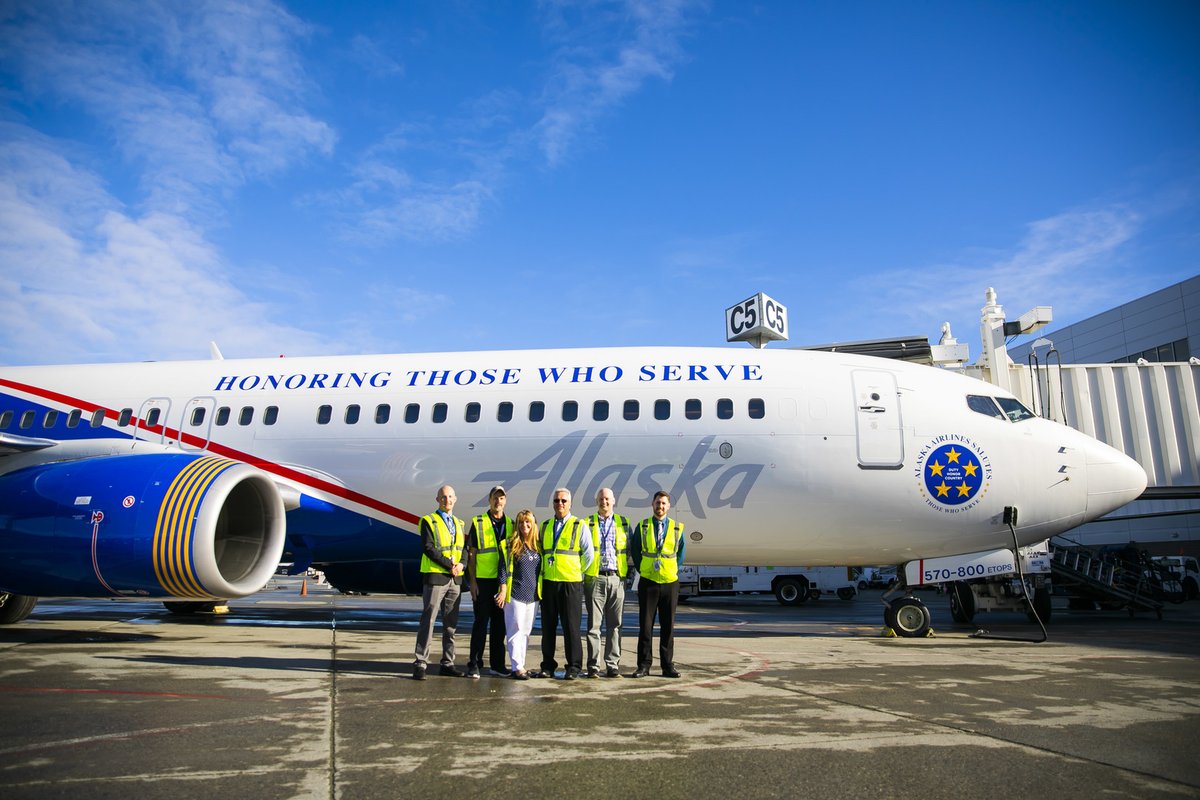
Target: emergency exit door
877, 420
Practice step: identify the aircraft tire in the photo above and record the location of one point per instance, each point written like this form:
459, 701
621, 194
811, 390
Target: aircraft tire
791, 591
909, 618
15, 607
962, 603
186, 607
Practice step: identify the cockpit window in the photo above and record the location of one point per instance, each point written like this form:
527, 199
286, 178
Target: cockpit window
981, 404
1014, 409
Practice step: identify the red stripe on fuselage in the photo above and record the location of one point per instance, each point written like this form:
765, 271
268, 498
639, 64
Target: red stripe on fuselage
220, 449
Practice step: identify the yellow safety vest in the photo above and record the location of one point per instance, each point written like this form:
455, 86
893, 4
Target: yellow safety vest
668, 559
562, 563
487, 556
621, 531
451, 546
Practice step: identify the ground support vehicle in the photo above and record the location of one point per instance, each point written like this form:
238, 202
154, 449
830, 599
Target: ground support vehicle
1109, 579
791, 586
1184, 569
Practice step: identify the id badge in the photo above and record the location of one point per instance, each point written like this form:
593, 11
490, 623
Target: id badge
550, 560
657, 565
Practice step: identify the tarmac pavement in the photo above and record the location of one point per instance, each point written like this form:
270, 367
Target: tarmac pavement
311, 697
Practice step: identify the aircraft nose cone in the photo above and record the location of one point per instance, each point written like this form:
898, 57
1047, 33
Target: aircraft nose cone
1113, 479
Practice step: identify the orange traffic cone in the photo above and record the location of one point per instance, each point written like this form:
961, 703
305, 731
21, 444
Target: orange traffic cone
304, 588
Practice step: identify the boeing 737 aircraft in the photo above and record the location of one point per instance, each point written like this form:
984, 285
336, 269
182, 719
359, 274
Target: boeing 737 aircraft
192, 481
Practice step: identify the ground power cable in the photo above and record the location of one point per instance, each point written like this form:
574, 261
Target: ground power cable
1010, 519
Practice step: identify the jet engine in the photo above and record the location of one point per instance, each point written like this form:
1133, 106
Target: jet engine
179, 525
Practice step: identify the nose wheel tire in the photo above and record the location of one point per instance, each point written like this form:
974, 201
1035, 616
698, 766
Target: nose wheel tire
908, 617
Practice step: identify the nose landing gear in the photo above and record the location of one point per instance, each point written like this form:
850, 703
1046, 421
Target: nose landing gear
908, 617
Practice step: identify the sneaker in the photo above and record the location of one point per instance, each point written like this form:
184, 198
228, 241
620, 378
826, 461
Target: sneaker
473, 673
593, 672
537, 673
571, 674
451, 671
418, 672
612, 672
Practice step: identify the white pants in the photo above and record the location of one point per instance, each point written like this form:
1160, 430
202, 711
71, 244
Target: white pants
518, 623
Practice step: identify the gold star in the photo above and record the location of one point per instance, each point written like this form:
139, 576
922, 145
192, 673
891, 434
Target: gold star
970, 470
964, 490
952, 456
943, 490
936, 468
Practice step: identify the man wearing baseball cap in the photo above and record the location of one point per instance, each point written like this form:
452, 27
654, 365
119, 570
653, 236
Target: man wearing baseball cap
486, 543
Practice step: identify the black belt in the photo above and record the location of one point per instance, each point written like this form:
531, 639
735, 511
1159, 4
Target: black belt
609, 572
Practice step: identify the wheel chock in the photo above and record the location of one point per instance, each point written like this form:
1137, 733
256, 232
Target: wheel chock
930, 634
888, 632
221, 609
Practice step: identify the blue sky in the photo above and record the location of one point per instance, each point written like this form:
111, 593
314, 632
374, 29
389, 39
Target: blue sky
317, 178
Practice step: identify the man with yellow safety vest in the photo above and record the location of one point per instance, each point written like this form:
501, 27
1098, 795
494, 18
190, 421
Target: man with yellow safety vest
604, 585
566, 554
657, 549
486, 544
442, 540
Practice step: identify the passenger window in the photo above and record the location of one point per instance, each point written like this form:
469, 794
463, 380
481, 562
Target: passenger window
537, 411
757, 408
662, 409
691, 409
600, 410
123, 419
27, 419
197, 416
6, 419
984, 405
152, 417
324, 414
383, 412
504, 412
1014, 409
724, 408
247, 416
570, 411
73, 418
271, 415
632, 410
97, 417
412, 413
352, 413
50, 420
472, 412
222, 415
439, 412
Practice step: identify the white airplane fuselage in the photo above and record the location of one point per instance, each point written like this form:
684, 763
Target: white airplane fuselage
771, 456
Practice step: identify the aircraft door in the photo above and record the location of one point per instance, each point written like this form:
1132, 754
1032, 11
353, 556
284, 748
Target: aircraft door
195, 428
877, 419
151, 420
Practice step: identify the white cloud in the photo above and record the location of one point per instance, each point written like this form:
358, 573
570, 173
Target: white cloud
1072, 261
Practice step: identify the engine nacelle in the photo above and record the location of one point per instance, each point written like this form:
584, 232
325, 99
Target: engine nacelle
156, 525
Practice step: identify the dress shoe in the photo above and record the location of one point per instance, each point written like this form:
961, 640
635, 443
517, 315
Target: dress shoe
419, 672
520, 675
641, 672
670, 672
473, 673
451, 671
571, 674
593, 672
612, 672
536, 673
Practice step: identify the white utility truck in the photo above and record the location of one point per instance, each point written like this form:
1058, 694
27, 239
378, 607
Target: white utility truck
790, 585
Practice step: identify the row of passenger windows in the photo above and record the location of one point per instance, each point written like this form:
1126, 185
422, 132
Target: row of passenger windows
630, 410
601, 410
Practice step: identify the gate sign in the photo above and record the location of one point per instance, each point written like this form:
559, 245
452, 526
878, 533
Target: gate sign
756, 320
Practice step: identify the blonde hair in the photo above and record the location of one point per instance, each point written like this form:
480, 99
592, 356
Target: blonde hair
520, 545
